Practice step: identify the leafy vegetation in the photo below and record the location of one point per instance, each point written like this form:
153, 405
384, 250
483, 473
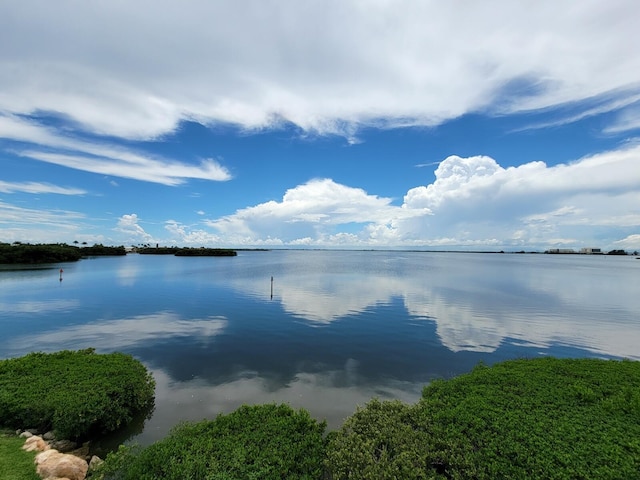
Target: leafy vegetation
25, 253
188, 252
41, 253
15, 463
75, 393
537, 419
100, 250
254, 442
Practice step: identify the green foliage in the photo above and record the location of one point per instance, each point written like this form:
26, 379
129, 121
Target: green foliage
157, 250
377, 441
25, 253
536, 419
75, 393
15, 463
21, 253
206, 252
254, 442
188, 252
100, 250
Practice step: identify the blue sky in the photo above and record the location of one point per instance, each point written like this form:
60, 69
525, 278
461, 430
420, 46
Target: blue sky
321, 124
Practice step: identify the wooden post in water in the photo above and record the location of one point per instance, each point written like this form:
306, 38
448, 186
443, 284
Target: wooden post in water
271, 287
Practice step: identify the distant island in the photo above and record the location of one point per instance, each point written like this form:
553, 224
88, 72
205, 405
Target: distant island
30, 254
187, 251
34, 254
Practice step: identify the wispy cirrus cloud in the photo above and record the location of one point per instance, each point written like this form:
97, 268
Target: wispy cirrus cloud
38, 187
18, 215
43, 225
47, 144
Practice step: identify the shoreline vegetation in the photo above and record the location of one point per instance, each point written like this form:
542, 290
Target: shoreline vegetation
187, 251
541, 418
37, 254
19, 253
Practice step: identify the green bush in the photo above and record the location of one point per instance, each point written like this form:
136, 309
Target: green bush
536, 419
75, 393
254, 442
24, 253
100, 250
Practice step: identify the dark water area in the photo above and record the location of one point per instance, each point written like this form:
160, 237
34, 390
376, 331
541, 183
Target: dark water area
332, 330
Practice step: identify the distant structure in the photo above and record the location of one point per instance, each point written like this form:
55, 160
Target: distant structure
583, 251
561, 250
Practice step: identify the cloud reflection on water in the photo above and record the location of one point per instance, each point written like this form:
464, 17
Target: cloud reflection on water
533, 301
36, 306
329, 395
120, 334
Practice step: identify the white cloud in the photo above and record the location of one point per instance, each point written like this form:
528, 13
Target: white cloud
475, 199
42, 225
102, 158
315, 210
128, 225
38, 187
626, 120
474, 203
148, 170
631, 242
184, 235
116, 70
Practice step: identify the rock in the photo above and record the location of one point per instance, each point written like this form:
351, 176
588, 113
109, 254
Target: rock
49, 436
63, 446
95, 462
55, 465
26, 434
35, 444
82, 452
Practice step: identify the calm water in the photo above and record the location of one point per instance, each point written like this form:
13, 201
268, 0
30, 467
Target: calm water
336, 328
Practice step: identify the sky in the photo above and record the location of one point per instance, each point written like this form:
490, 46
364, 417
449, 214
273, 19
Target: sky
457, 125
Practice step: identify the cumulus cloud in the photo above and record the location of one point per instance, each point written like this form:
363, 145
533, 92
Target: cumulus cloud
315, 210
630, 242
128, 225
181, 234
325, 68
473, 202
475, 199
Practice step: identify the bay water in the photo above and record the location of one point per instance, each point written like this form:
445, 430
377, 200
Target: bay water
322, 330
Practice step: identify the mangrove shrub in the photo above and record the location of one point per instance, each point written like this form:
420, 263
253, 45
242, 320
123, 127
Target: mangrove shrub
74, 393
537, 419
253, 442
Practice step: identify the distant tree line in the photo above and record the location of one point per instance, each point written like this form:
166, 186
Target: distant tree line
99, 249
30, 254
188, 252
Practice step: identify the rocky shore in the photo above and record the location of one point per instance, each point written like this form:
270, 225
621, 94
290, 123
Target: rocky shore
59, 459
